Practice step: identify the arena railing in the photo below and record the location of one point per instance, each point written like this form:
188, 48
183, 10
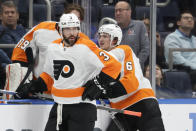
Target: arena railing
159, 4
7, 45
48, 4
170, 55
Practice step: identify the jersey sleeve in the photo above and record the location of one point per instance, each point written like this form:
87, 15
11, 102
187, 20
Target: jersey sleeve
19, 50
111, 66
29, 40
131, 73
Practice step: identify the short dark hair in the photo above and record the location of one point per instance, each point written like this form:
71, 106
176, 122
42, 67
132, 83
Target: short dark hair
8, 3
183, 12
71, 7
128, 4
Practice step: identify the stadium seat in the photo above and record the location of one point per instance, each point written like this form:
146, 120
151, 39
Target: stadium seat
168, 15
39, 13
23, 9
97, 129
142, 12
107, 11
179, 83
57, 11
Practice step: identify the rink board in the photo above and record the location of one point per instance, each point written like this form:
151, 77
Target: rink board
178, 115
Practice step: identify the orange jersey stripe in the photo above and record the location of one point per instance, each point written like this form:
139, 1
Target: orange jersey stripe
139, 95
48, 81
77, 92
82, 35
58, 41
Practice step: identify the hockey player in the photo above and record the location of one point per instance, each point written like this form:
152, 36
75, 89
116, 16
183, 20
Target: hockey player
133, 91
70, 64
37, 39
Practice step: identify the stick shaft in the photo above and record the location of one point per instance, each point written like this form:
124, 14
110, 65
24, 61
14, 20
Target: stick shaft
133, 113
7, 92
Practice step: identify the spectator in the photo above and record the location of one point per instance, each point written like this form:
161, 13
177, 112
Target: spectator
159, 75
160, 58
134, 32
78, 11
161, 92
182, 38
10, 31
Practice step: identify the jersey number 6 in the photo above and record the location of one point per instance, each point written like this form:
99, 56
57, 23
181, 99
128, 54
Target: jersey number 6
129, 66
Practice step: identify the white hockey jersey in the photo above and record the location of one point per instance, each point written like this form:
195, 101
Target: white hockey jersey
72, 67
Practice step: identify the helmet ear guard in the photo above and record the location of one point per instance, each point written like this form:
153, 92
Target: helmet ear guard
113, 30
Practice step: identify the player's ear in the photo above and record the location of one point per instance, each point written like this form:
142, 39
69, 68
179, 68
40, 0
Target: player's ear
114, 42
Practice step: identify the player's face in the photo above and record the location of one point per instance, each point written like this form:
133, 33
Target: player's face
71, 34
104, 41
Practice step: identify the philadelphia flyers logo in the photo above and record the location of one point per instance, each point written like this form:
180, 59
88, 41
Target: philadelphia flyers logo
63, 67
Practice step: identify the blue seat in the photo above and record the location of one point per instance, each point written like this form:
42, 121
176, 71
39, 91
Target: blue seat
107, 11
168, 15
179, 83
57, 11
39, 13
23, 9
142, 12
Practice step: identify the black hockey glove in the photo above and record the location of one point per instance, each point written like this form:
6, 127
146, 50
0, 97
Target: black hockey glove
35, 86
93, 90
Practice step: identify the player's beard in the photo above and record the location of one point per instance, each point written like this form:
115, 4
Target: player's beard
71, 41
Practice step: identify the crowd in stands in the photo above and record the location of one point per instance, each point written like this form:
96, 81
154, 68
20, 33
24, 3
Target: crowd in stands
135, 33
10, 31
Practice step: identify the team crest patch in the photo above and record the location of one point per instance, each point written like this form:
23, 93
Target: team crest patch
131, 32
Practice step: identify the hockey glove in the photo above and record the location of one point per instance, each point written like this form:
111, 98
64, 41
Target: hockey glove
93, 90
35, 86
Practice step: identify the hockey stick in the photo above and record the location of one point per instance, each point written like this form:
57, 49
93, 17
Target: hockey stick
117, 122
127, 112
29, 54
7, 92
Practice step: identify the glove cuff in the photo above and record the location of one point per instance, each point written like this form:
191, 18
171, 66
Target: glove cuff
38, 85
